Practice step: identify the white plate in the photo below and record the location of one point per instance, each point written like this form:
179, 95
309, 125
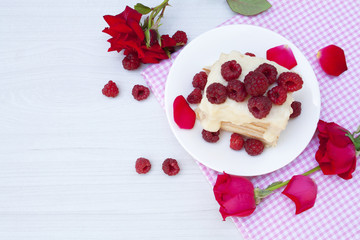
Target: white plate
204, 51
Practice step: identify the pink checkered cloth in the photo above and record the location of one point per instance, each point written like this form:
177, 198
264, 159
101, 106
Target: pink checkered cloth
310, 25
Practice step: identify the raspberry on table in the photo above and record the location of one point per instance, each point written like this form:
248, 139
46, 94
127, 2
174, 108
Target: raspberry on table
296, 107
210, 137
180, 37
200, 80
277, 95
170, 167
195, 96
142, 165
259, 106
230, 70
216, 93
250, 54
269, 71
131, 61
253, 147
236, 90
140, 92
256, 83
236, 141
110, 89
290, 81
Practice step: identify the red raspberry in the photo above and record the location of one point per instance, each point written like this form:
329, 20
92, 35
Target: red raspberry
256, 83
230, 70
236, 141
210, 137
253, 147
142, 165
200, 80
195, 96
216, 93
140, 92
131, 61
110, 89
170, 167
259, 106
277, 95
290, 81
296, 107
236, 90
180, 37
250, 54
269, 71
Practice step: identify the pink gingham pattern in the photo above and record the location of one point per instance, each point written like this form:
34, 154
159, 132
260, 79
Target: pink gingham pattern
311, 25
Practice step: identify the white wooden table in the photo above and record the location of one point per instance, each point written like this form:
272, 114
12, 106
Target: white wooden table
67, 153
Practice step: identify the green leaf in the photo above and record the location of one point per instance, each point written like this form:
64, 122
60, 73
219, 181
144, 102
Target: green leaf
142, 8
249, 7
273, 184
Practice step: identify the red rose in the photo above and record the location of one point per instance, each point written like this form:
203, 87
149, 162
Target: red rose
235, 195
336, 153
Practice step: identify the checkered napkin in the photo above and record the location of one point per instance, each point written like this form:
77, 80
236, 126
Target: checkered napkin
310, 25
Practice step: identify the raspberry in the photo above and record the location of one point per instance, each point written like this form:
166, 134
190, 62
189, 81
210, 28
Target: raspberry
269, 71
200, 80
250, 54
277, 95
296, 107
230, 70
131, 61
195, 96
290, 81
170, 167
210, 137
253, 147
236, 141
140, 92
180, 37
142, 165
216, 93
110, 89
259, 106
236, 90
256, 83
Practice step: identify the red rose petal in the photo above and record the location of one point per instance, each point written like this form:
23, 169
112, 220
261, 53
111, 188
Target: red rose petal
184, 116
282, 55
332, 60
137, 29
302, 190
167, 41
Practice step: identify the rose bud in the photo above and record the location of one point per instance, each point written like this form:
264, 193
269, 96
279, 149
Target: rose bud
336, 153
184, 116
235, 195
302, 190
282, 55
332, 60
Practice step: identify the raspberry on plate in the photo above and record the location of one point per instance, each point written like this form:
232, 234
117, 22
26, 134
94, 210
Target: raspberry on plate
236, 90
296, 107
140, 92
259, 106
256, 83
210, 137
253, 147
200, 80
277, 95
180, 37
230, 70
236, 141
131, 61
269, 71
110, 89
216, 93
170, 167
290, 81
195, 96
142, 165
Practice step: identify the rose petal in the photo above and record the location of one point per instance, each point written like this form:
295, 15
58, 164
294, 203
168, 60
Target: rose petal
167, 41
130, 13
184, 116
241, 205
337, 133
137, 29
342, 157
302, 190
332, 60
282, 55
